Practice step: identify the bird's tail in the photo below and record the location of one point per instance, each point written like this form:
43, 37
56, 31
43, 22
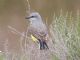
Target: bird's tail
43, 45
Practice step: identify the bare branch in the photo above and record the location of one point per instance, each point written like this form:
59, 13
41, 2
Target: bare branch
17, 32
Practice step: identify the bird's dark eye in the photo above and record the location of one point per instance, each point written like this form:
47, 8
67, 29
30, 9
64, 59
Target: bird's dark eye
33, 16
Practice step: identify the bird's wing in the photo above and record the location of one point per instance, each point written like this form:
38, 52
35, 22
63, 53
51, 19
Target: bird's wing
38, 33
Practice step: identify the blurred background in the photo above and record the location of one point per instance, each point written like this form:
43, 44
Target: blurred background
13, 12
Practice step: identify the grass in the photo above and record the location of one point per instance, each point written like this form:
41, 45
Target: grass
1, 56
64, 43
65, 30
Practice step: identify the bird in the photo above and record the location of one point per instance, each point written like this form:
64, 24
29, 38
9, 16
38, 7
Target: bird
37, 29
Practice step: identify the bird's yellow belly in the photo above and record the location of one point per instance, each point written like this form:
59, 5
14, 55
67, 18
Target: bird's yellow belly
34, 38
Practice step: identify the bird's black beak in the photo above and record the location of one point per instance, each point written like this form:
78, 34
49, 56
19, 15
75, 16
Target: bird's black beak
30, 17
27, 17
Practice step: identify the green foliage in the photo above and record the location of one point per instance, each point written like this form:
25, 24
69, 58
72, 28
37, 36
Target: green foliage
66, 28
54, 57
1, 56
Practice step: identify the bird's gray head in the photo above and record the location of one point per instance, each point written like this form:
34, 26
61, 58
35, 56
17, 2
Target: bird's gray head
34, 16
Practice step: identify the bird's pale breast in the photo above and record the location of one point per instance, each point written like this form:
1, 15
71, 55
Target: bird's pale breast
39, 31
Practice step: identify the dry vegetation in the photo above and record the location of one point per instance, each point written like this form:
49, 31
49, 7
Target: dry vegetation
63, 44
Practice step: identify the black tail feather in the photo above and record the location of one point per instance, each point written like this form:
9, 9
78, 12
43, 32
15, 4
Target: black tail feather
43, 45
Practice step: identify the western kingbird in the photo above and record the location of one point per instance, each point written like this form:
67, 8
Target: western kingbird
37, 29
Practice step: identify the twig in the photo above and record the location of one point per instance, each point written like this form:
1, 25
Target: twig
16, 31
27, 4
